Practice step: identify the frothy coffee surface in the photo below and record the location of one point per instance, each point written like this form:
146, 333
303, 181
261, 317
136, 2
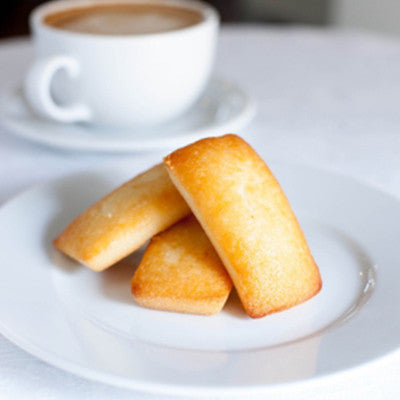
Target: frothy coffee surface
124, 19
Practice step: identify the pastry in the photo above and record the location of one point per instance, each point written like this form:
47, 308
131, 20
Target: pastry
180, 271
123, 220
244, 212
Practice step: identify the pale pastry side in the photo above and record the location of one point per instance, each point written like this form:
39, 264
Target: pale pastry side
123, 220
180, 271
247, 217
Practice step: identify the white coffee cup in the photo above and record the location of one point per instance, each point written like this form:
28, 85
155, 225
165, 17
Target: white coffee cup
119, 80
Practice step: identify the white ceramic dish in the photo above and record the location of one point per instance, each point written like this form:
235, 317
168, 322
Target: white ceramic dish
224, 107
88, 324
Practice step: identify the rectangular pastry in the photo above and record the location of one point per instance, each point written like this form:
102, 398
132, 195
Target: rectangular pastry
123, 220
247, 217
180, 271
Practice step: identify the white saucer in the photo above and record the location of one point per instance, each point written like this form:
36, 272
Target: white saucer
224, 108
87, 323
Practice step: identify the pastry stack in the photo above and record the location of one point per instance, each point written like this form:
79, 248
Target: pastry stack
216, 217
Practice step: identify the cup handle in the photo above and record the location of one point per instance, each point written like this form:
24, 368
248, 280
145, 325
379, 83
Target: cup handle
38, 84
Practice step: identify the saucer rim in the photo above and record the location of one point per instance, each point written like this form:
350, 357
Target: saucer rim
128, 144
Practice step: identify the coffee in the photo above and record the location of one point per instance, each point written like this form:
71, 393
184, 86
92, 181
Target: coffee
123, 19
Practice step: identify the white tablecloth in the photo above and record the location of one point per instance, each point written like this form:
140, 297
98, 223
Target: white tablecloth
326, 98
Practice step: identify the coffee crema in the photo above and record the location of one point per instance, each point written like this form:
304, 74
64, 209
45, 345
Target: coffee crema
124, 19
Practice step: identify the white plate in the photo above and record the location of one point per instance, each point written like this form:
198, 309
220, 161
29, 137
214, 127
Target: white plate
87, 323
224, 107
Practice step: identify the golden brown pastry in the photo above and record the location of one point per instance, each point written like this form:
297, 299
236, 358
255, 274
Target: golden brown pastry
180, 271
124, 220
247, 217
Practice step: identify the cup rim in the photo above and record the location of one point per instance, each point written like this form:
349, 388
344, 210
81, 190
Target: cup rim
36, 18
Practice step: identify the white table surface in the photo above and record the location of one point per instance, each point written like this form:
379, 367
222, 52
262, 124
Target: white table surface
325, 98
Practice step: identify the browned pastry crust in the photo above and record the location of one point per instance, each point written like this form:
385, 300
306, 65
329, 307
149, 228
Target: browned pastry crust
247, 217
180, 271
123, 220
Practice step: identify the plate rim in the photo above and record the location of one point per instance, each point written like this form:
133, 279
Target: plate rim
174, 389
